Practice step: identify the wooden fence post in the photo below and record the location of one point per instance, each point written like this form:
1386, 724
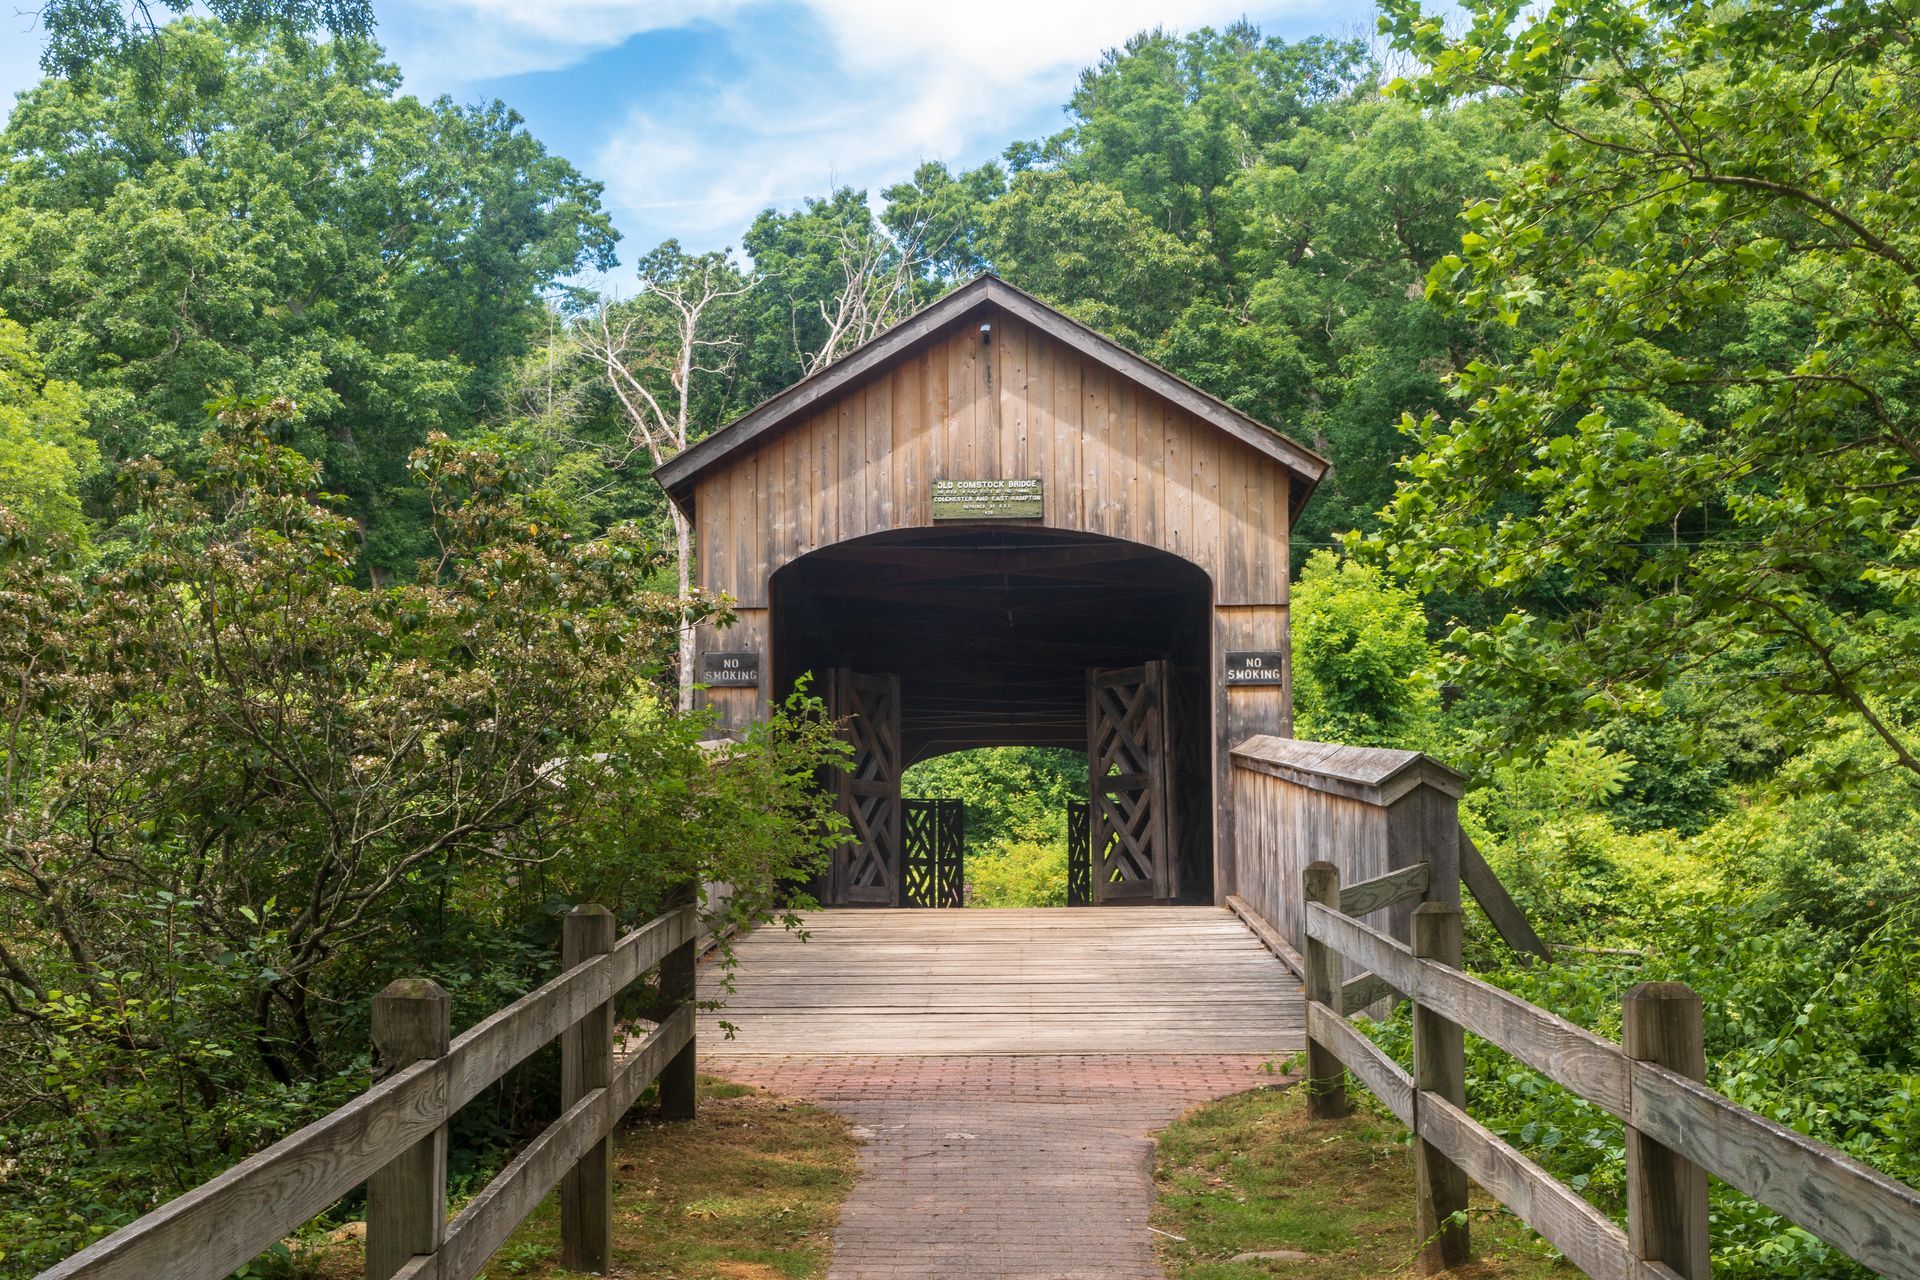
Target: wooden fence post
678, 988
1439, 1067
586, 1064
1666, 1194
1326, 1078
407, 1200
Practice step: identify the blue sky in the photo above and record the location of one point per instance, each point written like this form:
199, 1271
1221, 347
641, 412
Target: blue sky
696, 114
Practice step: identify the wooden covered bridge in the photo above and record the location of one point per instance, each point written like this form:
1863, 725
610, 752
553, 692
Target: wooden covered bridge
992, 526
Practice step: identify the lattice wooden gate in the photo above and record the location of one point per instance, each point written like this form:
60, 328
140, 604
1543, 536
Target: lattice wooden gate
1132, 852
933, 847
866, 870
1079, 856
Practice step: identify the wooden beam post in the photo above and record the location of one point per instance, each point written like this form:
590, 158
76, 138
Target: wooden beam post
1439, 1067
1666, 1193
407, 1200
586, 1064
678, 988
1326, 1078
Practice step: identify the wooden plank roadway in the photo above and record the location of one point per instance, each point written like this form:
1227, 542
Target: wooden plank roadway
1137, 980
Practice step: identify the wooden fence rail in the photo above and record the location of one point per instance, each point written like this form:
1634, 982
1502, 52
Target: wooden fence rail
1678, 1129
393, 1136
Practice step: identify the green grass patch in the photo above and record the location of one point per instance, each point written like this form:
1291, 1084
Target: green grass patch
750, 1190
1250, 1174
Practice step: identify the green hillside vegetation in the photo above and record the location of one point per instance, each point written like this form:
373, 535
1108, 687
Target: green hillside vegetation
329, 532
1016, 802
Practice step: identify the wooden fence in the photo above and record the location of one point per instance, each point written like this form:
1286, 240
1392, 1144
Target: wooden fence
393, 1137
1678, 1130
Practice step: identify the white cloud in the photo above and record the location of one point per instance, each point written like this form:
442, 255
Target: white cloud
863, 92
885, 86
454, 41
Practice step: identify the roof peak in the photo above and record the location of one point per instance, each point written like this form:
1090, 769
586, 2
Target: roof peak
984, 289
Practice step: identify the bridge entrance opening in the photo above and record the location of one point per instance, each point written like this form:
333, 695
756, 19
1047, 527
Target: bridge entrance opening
928, 641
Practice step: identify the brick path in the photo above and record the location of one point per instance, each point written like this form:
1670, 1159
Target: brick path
1037, 1167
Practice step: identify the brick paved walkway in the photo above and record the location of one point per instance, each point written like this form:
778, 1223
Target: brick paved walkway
1038, 1167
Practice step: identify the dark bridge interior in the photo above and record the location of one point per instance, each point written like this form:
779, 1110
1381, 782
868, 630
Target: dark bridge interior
992, 631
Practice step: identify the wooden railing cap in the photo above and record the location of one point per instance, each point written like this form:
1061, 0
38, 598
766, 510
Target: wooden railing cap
1378, 775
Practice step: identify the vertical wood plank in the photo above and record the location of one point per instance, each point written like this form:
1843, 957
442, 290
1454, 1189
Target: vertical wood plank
850, 427
586, 1064
1440, 1067
678, 1080
876, 478
407, 1200
1326, 1078
749, 576
1012, 399
1661, 1022
1069, 406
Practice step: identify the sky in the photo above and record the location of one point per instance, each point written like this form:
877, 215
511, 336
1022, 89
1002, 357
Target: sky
697, 114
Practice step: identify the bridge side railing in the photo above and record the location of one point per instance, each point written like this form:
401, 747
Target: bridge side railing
393, 1137
1678, 1129
1373, 811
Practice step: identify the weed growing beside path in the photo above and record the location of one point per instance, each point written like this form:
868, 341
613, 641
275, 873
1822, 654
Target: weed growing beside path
1332, 1200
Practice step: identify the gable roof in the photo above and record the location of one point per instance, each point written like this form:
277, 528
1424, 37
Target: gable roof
985, 293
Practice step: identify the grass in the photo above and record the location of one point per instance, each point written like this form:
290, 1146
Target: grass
748, 1191
1250, 1173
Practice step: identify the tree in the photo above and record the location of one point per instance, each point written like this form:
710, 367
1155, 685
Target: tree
652, 350
1704, 464
1170, 121
278, 219
1363, 670
831, 277
943, 213
82, 34
242, 791
45, 451
1079, 245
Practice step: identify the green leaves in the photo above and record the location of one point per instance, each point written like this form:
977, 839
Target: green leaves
162, 250
1706, 438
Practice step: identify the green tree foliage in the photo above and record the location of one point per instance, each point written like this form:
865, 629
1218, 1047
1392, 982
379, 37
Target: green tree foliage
942, 212
1016, 802
1250, 213
162, 247
82, 34
242, 792
45, 451
1704, 460
1363, 668
1080, 242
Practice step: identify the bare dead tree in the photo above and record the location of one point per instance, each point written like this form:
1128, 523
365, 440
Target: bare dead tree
638, 346
876, 292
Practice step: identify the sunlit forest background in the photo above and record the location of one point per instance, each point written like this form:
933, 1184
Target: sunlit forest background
328, 514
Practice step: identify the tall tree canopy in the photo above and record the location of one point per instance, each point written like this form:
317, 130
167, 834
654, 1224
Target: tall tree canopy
1249, 212
277, 219
1704, 463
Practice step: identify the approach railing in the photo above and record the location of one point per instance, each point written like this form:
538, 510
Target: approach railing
1372, 811
393, 1137
1678, 1129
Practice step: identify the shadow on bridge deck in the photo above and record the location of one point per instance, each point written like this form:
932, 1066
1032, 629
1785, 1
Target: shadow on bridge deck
1133, 980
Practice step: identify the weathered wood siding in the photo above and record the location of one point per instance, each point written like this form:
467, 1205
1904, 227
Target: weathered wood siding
1282, 826
1115, 459
1367, 810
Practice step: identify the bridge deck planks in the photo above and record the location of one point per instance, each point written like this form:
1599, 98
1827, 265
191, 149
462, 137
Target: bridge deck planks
1037, 981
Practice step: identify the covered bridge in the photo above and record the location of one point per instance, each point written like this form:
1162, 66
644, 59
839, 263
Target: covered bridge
991, 526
